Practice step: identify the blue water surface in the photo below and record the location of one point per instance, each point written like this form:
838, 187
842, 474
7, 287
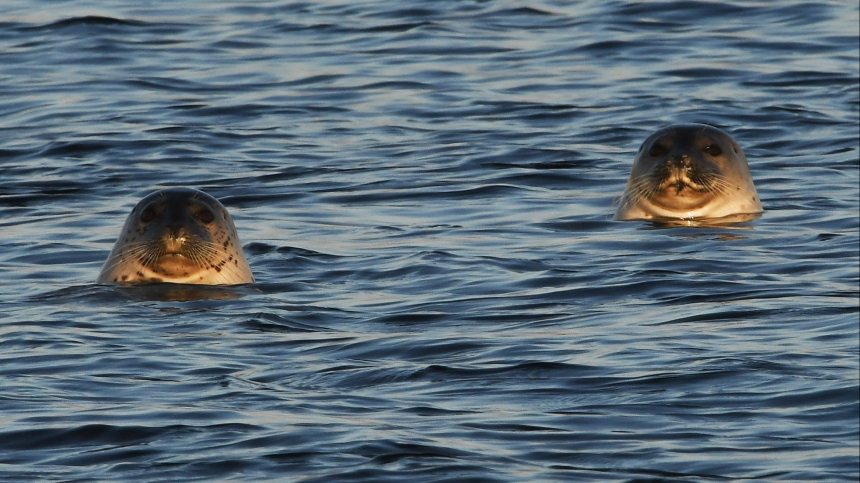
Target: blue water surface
425, 194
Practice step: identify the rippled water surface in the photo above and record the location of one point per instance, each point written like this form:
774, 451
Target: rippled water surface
424, 191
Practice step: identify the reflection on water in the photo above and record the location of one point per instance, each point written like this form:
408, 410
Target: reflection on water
172, 292
741, 221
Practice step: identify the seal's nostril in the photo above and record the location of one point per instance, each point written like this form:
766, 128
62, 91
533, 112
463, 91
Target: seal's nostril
175, 231
679, 161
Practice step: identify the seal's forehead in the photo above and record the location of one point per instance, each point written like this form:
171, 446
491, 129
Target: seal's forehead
689, 133
666, 136
172, 196
704, 131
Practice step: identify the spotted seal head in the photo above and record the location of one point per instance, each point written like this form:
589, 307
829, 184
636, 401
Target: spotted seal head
178, 235
689, 171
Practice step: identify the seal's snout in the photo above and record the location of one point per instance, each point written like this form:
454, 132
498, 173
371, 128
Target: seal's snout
176, 232
173, 238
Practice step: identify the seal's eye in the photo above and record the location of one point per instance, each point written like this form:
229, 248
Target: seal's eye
657, 150
147, 215
205, 216
714, 150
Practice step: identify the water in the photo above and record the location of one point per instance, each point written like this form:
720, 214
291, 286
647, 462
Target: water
424, 190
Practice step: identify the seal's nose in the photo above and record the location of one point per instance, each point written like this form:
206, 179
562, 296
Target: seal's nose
174, 239
176, 232
680, 161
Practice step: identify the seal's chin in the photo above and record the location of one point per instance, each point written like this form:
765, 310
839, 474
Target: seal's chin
678, 192
680, 189
175, 263
677, 187
173, 256
679, 180
174, 266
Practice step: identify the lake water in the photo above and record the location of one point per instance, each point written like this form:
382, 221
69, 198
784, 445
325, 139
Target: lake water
425, 194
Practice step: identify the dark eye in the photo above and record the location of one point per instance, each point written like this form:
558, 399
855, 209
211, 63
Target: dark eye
657, 150
714, 150
205, 216
147, 215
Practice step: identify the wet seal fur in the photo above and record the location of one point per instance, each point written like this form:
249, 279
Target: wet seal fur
178, 235
689, 171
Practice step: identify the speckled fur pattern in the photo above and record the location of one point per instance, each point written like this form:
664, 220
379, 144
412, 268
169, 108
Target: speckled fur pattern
177, 235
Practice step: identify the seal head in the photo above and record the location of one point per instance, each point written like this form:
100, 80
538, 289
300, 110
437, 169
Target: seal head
178, 235
689, 171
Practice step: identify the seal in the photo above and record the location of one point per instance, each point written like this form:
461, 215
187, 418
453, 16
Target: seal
177, 235
689, 171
